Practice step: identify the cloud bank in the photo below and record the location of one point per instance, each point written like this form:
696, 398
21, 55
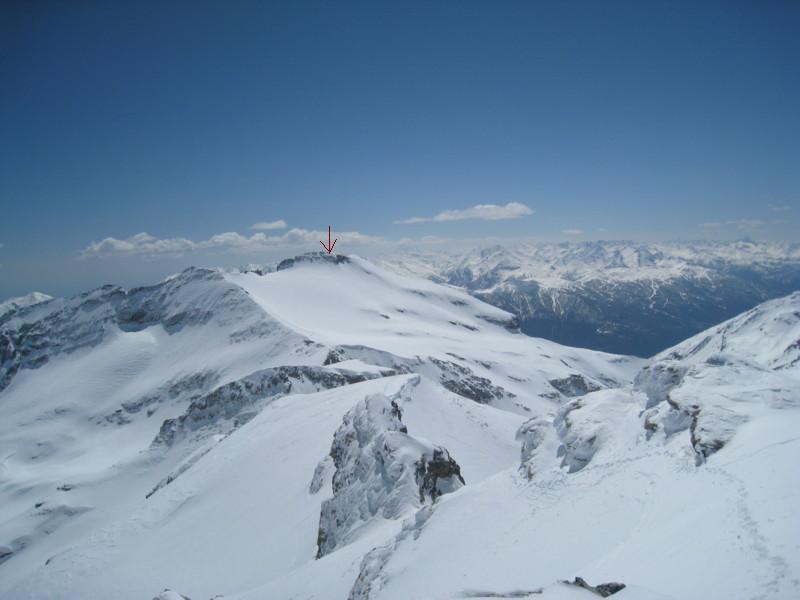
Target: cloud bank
779, 208
483, 212
268, 225
737, 223
144, 244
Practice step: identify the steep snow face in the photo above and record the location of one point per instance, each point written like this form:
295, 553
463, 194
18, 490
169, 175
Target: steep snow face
13, 304
618, 296
722, 378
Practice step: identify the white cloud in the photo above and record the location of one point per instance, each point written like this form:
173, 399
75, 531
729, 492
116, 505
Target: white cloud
737, 223
779, 208
144, 244
484, 212
572, 231
425, 239
267, 225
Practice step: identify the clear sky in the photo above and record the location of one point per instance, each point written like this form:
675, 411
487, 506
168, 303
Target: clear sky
460, 120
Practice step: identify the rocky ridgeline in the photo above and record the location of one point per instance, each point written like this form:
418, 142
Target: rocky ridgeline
455, 377
31, 336
233, 404
180, 388
381, 472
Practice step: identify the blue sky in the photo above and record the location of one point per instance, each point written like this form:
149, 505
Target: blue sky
190, 120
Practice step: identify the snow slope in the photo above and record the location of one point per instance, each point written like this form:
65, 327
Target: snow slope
334, 430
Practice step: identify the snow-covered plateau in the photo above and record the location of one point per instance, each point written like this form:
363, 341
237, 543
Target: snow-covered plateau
331, 429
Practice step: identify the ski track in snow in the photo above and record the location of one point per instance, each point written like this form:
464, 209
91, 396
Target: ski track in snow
757, 542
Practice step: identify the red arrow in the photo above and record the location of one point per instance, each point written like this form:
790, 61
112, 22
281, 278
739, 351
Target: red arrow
330, 246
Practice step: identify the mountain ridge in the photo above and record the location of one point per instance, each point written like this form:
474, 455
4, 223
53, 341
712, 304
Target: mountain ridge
335, 430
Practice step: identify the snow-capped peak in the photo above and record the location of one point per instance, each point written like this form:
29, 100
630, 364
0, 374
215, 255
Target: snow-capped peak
21, 302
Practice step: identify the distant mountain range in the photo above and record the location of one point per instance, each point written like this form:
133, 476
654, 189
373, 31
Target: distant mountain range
22, 301
620, 297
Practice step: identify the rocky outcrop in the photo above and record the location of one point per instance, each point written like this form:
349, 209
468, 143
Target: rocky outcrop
578, 444
532, 435
313, 257
462, 381
437, 475
658, 379
604, 590
381, 472
574, 385
233, 404
175, 390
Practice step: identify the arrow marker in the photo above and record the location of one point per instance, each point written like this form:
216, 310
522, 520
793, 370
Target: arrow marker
330, 246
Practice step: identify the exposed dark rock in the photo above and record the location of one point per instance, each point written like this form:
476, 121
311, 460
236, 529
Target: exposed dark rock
169, 594
440, 467
334, 356
462, 381
313, 257
464, 325
235, 400
574, 385
604, 590
511, 323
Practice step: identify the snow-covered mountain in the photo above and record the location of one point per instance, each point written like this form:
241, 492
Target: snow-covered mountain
23, 301
620, 297
331, 429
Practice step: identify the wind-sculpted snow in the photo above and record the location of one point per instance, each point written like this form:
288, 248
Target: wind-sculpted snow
381, 471
370, 574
